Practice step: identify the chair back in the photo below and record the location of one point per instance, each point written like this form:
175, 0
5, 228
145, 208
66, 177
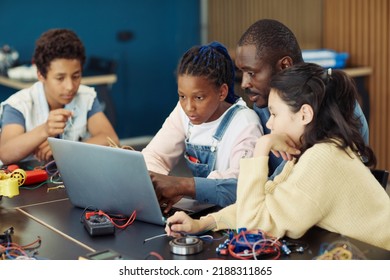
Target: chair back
382, 176
99, 65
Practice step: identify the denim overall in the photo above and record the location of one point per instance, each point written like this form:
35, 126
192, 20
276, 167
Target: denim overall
201, 159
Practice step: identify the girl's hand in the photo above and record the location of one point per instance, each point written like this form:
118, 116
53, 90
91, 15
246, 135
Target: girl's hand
279, 144
180, 223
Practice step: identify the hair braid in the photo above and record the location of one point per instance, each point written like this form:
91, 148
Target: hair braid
213, 62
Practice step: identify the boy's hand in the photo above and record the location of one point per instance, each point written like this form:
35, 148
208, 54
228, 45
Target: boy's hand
43, 152
56, 122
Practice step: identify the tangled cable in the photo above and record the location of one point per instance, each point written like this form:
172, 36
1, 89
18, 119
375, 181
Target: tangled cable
340, 250
248, 244
11, 251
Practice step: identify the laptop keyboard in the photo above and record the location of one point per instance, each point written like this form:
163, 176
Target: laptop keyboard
173, 210
191, 209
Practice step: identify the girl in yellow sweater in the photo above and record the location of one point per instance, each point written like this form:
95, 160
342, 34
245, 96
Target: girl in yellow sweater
326, 183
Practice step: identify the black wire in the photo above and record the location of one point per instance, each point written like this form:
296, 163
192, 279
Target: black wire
88, 208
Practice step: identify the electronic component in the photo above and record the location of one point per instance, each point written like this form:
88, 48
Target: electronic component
10, 182
9, 187
6, 236
222, 248
11, 250
251, 244
102, 255
35, 176
97, 224
32, 176
186, 245
245, 240
286, 250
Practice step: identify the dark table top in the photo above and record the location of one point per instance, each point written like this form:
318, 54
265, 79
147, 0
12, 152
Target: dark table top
129, 242
49, 214
26, 230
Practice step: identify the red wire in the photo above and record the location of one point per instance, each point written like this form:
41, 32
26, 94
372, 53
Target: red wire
157, 255
265, 247
130, 220
32, 243
13, 249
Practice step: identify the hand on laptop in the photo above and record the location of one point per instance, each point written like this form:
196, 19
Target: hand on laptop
170, 189
167, 204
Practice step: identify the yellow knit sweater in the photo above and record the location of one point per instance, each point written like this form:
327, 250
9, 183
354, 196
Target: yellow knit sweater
326, 188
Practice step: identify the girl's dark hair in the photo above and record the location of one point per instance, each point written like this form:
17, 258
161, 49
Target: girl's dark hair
57, 43
332, 95
213, 62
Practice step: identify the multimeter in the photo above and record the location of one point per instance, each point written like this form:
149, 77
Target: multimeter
103, 255
98, 225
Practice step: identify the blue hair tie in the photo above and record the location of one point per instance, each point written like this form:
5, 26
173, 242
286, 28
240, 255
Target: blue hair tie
231, 97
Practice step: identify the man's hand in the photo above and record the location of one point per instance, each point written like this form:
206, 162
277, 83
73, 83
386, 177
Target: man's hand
170, 189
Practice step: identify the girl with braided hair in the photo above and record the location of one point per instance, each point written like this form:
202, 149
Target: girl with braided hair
210, 126
326, 181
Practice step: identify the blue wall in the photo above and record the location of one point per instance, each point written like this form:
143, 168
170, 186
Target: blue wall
146, 89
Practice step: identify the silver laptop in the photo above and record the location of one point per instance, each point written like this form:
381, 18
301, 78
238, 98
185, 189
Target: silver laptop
113, 180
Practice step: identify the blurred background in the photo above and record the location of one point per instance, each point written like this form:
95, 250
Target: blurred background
145, 39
